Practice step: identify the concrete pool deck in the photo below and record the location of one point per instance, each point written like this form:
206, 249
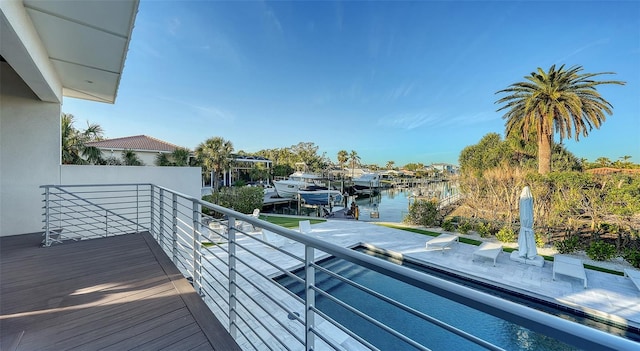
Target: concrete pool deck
611, 296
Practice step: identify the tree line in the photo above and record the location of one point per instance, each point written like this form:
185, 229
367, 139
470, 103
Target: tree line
215, 155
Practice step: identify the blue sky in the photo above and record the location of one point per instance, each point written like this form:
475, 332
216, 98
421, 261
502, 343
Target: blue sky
402, 81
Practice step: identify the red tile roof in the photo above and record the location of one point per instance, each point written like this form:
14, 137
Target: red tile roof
136, 143
609, 170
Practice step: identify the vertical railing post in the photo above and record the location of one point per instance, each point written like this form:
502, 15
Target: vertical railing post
233, 328
106, 223
174, 229
197, 253
152, 204
47, 240
137, 208
161, 219
310, 297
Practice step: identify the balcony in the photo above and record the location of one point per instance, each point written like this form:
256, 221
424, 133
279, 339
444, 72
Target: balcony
231, 264
114, 293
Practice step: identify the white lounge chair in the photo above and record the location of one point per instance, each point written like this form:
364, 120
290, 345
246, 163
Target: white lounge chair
245, 226
569, 266
273, 238
634, 275
256, 215
217, 230
305, 227
442, 241
489, 250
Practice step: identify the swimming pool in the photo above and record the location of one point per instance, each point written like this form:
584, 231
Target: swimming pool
495, 330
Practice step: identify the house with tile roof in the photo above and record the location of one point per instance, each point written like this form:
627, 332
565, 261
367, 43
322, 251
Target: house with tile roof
146, 148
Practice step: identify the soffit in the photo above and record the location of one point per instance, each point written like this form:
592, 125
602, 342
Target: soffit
86, 42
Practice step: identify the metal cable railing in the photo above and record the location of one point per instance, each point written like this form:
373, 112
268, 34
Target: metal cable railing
232, 259
88, 211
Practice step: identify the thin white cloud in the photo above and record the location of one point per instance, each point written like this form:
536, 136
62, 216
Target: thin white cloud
321, 99
174, 26
149, 50
401, 91
272, 20
470, 119
204, 111
577, 51
221, 47
409, 121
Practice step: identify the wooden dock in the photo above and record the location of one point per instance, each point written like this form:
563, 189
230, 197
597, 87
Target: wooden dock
117, 293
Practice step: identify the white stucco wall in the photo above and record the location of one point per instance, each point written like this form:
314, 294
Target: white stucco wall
29, 153
185, 180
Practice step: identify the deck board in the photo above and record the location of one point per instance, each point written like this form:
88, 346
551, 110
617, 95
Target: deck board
115, 293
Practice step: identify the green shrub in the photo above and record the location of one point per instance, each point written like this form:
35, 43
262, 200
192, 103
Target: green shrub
506, 234
464, 227
448, 226
632, 256
484, 229
568, 245
539, 240
244, 199
422, 212
601, 251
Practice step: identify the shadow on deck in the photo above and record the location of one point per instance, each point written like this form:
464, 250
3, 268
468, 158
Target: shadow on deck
115, 293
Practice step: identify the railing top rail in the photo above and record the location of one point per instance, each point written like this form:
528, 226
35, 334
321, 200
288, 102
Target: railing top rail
92, 185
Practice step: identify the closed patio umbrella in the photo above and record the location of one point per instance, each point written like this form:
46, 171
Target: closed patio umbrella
526, 238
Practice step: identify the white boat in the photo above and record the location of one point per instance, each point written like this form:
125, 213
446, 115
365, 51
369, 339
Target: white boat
367, 183
320, 196
300, 179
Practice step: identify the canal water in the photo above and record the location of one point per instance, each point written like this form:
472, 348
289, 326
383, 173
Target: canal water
392, 205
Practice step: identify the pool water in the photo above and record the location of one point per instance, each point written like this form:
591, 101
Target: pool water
497, 331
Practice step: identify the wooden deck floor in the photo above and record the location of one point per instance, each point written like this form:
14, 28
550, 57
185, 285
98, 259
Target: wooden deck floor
118, 293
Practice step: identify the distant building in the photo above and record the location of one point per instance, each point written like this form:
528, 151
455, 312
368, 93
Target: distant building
146, 148
446, 168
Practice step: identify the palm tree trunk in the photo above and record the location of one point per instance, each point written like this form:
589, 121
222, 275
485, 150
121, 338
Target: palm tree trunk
544, 153
214, 180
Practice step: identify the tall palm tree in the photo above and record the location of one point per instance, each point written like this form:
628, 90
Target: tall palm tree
343, 156
74, 148
624, 161
354, 159
129, 158
561, 100
162, 160
390, 164
603, 162
180, 157
214, 154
